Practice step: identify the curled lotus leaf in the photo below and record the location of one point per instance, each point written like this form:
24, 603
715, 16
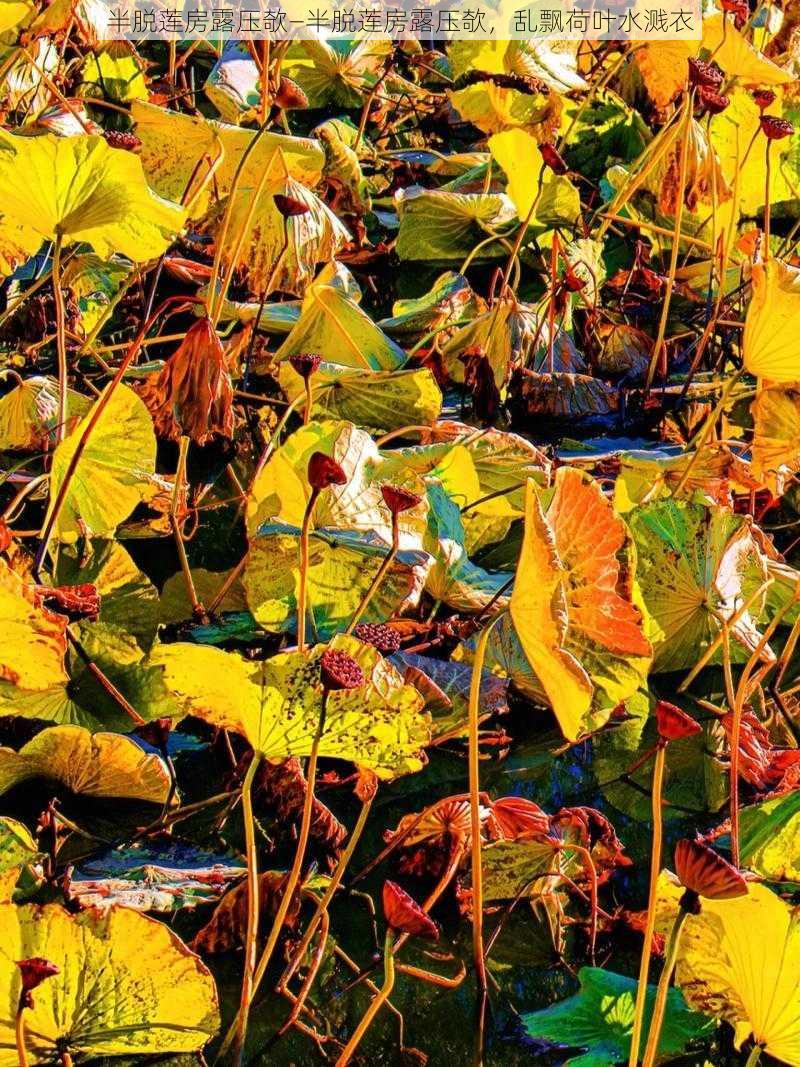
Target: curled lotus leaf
277, 704
697, 565
94, 765
440, 226
34, 639
174, 145
776, 435
281, 255
126, 985
581, 629
17, 851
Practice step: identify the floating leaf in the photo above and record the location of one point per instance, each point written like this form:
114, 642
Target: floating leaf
126, 985
95, 765
111, 477
440, 226
79, 189
600, 1017
277, 704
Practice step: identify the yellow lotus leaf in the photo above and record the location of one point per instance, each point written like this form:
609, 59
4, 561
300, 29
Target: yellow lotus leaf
776, 435
112, 474
29, 413
277, 704
174, 144
79, 189
539, 613
731, 135
738, 960
13, 13
94, 765
17, 851
771, 341
493, 108
272, 264
663, 64
126, 986
34, 640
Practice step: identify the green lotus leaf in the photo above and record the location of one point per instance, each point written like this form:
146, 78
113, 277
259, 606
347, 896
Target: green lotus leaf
126, 986
514, 870
697, 565
91, 765
112, 474
377, 400
342, 565
343, 166
606, 128
334, 326
338, 73
78, 189
449, 300
174, 604
174, 145
454, 578
440, 226
276, 704
29, 414
600, 1016
770, 837
82, 700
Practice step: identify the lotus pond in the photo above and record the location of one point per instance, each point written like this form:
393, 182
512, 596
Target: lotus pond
398, 545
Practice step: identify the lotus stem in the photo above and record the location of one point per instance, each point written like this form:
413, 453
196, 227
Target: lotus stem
333, 885
253, 901
766, 203
591, 871
378, 577
291, 881
302, 589
308, 982
755, 1056
676, 242
659, 1007
61, 343
19, 1033
377, 1002
655, 870
93, 419
475, 814
309, 401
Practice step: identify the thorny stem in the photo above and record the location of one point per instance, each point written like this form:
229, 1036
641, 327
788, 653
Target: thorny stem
655, 870
302, 589
659, 1007
377, 1002
766, 203
177, 533
253, 901
386, 563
